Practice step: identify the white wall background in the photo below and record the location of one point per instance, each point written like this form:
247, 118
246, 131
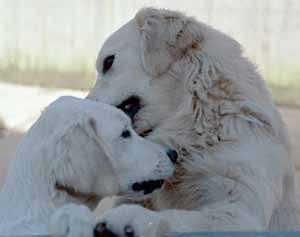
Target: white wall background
64, 35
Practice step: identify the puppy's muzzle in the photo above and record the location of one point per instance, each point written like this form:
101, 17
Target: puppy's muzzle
149, 186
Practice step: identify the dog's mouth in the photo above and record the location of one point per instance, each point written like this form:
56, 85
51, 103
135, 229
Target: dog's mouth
148, 186
87, 198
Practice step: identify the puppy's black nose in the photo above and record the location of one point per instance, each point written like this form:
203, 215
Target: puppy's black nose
101, 230
172, 154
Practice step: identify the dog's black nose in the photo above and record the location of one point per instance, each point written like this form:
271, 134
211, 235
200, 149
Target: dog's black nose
172, 154
130, 106
101, 230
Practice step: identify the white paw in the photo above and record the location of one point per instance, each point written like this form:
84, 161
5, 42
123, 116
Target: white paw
72, 220
131, 221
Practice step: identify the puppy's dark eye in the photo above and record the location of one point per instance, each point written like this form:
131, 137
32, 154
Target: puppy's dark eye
107, 63
126, 134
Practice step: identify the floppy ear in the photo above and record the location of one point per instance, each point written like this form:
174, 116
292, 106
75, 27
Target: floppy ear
75, 145
91, 128
79, 152
222, 84
167, 36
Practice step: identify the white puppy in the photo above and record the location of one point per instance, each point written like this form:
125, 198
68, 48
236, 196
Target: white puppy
77, 152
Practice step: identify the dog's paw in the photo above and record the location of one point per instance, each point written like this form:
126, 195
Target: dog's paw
72, 220
131, 221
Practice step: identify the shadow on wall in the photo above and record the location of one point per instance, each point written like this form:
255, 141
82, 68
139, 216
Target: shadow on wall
8, 143
2, 127
49, 78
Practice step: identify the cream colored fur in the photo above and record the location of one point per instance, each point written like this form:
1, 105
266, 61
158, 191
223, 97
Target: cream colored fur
76, 143
203, 97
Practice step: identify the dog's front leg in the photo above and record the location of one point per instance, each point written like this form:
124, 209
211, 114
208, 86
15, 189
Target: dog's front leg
223, 218
133, 220
130, 221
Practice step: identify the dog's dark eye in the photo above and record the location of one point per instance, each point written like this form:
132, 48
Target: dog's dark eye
107, 63
126, 134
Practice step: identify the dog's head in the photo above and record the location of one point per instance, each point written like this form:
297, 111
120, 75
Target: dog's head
97, 152
123, 79
163, 65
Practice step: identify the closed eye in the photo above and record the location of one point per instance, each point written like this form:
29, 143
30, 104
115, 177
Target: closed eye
107, 63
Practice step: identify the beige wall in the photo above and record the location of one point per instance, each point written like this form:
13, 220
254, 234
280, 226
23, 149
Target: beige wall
64, 35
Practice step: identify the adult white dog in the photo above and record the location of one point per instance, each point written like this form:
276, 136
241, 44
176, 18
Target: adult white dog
76, 153
188, 85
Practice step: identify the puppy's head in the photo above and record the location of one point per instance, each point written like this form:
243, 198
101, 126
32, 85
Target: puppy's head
99, 154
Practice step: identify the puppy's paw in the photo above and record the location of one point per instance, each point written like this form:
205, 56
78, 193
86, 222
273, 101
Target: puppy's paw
72, 220
131, 221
